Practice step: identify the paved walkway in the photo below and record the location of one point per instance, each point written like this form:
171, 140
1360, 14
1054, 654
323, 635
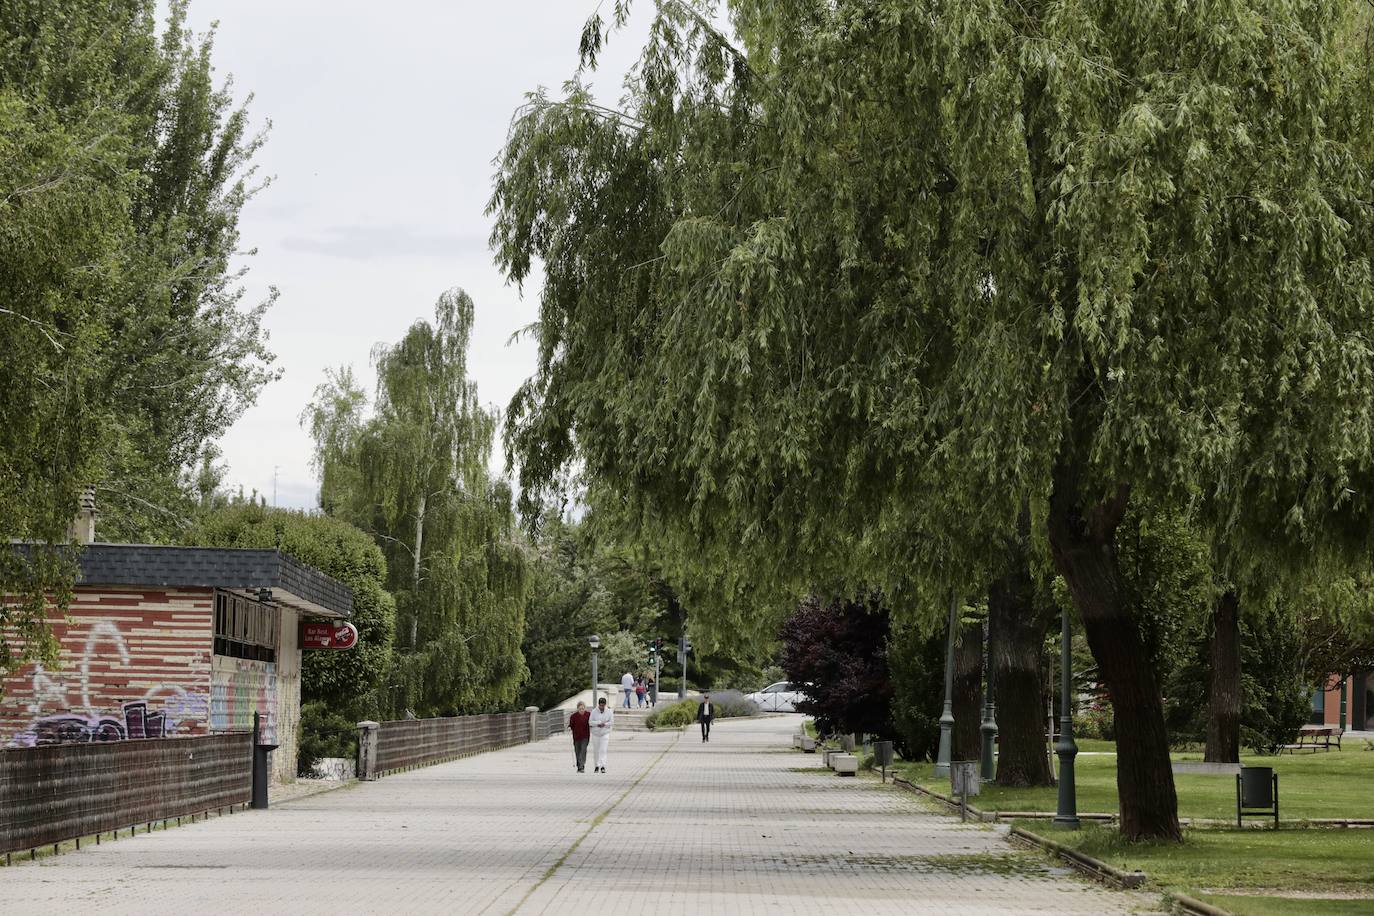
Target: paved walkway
742, 825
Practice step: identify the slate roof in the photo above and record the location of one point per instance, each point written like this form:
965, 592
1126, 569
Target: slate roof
215, 567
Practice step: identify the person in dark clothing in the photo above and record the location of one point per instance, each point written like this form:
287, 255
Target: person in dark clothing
706, 711
580, 724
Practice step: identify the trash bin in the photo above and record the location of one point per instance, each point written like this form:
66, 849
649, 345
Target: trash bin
963, 777
1256, 787
882, 753
1257, 794
261, 750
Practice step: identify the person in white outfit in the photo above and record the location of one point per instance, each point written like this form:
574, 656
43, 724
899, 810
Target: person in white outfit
601, 722
627, 684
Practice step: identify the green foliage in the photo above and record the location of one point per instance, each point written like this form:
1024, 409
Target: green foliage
323, 733
562, 611
1096, 720
351, 683
414, 476
676, 715
731, 704
916, 664
122, 174
1275, 687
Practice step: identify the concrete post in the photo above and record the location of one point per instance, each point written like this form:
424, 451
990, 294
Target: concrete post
534, 722
368, 732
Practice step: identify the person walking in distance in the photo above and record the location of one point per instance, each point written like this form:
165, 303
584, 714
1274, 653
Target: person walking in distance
580, 725
627, 684
641, 692
601, 721
706, 711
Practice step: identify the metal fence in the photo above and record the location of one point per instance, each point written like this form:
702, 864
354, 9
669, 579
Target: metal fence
550, 723
416, 742
65, 791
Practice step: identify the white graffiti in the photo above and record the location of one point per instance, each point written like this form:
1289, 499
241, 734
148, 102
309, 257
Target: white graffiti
103, 629
162, 712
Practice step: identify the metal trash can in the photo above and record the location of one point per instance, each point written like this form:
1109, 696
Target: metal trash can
1256, 787
882, 756
963, 777
1257, 794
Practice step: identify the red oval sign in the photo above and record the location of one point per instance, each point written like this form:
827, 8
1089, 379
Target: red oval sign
329, 636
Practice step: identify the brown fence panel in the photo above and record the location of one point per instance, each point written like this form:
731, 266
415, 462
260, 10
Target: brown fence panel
416, 742
62, 791
552, 723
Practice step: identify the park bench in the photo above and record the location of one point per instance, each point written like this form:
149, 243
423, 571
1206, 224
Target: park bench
1315, 738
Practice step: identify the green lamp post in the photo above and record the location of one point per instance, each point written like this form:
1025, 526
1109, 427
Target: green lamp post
1067, 813
947, 717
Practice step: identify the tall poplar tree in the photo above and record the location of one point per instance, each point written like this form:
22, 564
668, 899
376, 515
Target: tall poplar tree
846, 293
414, 475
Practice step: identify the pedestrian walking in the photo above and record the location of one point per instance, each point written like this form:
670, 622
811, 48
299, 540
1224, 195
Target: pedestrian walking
641, 692
627, 684
706, 711
601, 721
580, 725
653, 691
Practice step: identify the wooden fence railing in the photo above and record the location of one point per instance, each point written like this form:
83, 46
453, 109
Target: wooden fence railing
65, 791
416, 742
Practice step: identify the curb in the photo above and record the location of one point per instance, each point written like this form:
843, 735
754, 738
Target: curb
1185, 904
1093, 868
1086, 864
977, 814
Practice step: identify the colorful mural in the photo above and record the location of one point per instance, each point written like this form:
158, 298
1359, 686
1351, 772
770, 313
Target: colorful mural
239, 687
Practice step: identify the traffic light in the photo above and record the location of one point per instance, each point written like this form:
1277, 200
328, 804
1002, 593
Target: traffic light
653, 649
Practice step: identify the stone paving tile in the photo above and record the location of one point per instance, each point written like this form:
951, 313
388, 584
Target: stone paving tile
737, 826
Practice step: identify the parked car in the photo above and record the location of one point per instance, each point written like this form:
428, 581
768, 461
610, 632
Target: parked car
779, 697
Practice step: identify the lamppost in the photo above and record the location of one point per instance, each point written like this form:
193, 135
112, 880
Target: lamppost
1067, 815
1344, 681
595, 642
947, 717
989, 726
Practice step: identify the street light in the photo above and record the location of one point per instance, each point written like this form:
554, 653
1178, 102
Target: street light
595, 642
989, 726
1067, 815
947, 717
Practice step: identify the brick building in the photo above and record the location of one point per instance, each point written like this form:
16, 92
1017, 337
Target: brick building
163, 641
1346, 702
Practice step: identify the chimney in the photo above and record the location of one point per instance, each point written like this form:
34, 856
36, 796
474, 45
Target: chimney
83, 526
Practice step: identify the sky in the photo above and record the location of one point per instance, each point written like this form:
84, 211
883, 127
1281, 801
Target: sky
385, 119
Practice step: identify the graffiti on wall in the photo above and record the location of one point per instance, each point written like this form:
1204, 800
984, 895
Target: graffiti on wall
237, 692
162, 712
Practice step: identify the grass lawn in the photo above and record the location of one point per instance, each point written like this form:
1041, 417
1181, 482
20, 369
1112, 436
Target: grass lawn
1331, 784
1228, 867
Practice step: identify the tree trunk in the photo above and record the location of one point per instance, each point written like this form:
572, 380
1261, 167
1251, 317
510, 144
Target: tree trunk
1084, 550
966, 741
1017, 637
1224, 698
415, 574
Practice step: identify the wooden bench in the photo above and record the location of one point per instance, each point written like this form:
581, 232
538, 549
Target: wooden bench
1315, 738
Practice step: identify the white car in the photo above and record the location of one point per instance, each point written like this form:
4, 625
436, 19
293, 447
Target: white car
779, 697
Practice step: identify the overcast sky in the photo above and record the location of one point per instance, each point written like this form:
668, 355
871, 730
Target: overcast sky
385, 119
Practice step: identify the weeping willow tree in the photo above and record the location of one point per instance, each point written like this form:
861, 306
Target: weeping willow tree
414, 474
848, 291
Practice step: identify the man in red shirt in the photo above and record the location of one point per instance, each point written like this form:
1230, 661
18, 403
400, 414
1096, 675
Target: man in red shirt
580, 723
